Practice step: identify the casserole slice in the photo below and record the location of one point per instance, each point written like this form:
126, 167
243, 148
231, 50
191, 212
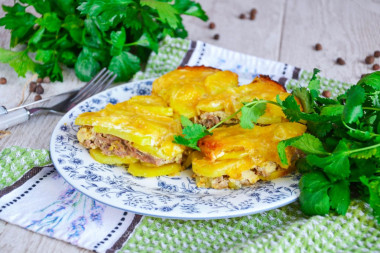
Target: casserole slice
211, 110
138, 131
184, 87
233, 157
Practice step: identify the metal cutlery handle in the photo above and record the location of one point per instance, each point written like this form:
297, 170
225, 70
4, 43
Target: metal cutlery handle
13, 118
3, 110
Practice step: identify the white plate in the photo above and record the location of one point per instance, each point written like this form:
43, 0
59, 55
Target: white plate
166, 197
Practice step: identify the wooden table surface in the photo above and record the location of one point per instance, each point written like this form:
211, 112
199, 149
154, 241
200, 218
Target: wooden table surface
284, 31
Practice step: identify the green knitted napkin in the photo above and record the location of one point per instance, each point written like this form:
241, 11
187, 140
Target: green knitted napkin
15, 161
284, 229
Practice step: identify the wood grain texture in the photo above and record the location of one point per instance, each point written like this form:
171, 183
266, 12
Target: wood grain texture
283, 30
259, 37
346, 29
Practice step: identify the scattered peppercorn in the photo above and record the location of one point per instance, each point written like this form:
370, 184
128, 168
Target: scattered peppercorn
252, 14
369, 59
3, 80
211, 25
32, 86
46, 79
39, 89
363, 75
37, 97
326, 93
216, 36
39, 80
376, 54
376, 66
340, 61
318, 47
242, 16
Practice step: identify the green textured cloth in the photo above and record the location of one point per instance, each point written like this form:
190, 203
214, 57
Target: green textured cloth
15, 161
284, 229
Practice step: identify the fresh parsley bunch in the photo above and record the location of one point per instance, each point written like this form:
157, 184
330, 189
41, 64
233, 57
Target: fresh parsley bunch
91, 34
342, 145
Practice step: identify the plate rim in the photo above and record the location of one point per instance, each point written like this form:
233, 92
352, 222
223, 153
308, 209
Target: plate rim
211, 216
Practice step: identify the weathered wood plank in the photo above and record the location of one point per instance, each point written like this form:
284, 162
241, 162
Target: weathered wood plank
259, 37
345, 28
17, 239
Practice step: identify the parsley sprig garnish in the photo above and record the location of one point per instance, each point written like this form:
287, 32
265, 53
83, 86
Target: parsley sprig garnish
192, 132
342, 146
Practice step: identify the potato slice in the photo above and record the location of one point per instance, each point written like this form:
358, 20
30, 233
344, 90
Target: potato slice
112, 159
148, 170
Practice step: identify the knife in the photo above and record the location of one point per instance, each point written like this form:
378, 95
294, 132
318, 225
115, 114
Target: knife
21, 114
4, 110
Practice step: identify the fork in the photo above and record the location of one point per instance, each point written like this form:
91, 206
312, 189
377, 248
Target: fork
100, 82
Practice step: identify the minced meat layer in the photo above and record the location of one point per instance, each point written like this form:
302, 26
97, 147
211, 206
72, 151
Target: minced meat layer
112, 145
210, 119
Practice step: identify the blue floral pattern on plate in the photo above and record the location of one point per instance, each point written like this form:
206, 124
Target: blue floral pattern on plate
167, 197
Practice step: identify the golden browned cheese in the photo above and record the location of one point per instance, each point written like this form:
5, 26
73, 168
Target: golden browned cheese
233, 150
184, 87
230, 100
145, 121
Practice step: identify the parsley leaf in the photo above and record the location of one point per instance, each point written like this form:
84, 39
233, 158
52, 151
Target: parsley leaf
188, 7
353, 109
86, 66
314, 198
305, 99
336, 165
147, 41
19, 61
306, 142
362, 167
292, 110
373, 185
20, 22
251, 113
44, 55
319, 129
332, 110
37, 36
192, 134
167, 13
50, 21
41, 6
124, 65
74, 25
107, 13
51, 69
118, 39
372, 80
340, 196
314, 84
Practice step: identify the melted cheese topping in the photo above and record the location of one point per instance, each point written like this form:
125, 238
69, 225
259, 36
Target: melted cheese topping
184, 87
231, 150
145, 121
230, 100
